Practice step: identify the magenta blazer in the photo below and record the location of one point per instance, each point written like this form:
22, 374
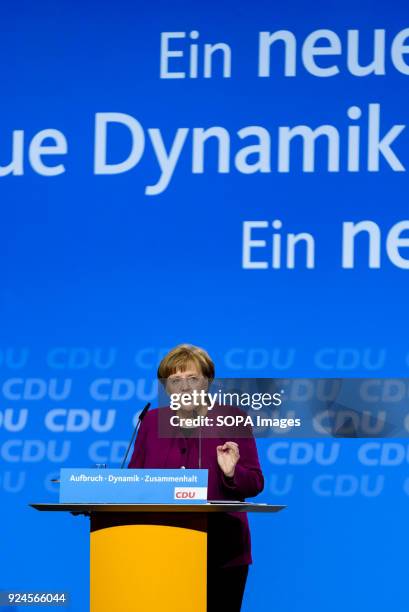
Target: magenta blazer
229, 542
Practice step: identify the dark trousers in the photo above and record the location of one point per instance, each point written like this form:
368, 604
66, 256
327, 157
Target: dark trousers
225, 588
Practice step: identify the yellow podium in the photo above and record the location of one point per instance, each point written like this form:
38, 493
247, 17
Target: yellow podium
149, 557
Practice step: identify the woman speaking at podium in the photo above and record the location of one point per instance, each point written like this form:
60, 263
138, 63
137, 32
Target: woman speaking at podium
233, 473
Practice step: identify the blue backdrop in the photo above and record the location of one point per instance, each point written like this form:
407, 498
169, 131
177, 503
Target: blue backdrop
101, 277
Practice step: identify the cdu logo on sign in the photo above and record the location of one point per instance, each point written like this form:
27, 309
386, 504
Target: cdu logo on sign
190, 493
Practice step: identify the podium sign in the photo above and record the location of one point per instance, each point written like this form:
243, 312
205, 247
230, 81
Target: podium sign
118, 486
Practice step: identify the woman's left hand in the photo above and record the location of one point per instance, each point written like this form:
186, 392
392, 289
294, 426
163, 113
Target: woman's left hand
227, 457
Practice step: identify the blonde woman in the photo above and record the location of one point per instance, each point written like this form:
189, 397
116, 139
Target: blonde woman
233, 468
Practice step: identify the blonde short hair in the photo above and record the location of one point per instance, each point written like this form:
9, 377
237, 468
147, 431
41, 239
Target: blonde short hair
181, 356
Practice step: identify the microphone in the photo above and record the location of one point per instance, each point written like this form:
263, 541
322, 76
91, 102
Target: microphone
196, 414
137, 426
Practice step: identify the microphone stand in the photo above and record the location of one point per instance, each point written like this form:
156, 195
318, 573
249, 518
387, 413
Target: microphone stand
138, 424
